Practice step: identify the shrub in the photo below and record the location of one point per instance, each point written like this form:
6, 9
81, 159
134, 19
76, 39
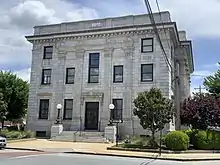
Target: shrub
203, 140
17, 134
14, 134
137, 142
28, 134
177, 140
191, 133
3, 132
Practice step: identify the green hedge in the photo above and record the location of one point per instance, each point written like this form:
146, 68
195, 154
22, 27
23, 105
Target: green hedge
177, 141
17, 134
207, 140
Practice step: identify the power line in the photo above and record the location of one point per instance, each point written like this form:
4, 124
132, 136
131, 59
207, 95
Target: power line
147, 4
158, 7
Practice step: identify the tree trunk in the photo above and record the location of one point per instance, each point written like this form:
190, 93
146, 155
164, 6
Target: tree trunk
153, 135
3, 121
152, 141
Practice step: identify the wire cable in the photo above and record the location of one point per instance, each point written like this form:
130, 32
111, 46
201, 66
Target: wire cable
147, 4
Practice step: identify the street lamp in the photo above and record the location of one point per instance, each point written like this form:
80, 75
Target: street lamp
111, 107
59, 107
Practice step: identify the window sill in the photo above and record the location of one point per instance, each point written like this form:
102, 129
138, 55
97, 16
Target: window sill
43, 119
148, 52
147, 82
67, 119
47, 58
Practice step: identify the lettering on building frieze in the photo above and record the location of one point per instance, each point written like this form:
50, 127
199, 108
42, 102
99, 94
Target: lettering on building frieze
97, 24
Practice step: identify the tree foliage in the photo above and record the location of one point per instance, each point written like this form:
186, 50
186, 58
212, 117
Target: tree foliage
153, 110
212, 83
201, 111
15, 95
3, 107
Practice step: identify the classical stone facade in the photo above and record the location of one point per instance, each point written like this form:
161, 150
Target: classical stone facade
118, 41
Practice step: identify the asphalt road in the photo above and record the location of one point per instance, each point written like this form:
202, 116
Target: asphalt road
35, 158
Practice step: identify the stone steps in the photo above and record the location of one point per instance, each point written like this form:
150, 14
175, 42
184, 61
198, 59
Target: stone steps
84, 136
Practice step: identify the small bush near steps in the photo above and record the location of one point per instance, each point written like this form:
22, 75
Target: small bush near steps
17, 134
177, 141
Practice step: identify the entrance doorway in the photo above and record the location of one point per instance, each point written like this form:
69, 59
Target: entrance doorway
91, 115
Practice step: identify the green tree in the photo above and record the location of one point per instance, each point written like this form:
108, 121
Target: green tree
3, 109
15, 95
200, 111
153, 110
212, 83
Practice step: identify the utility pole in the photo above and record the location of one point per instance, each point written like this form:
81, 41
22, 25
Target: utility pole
200, 89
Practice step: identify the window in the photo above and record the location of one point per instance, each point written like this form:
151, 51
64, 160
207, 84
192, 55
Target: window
118, 74
146, 72
46, 76
70, 75
116, 113
93, 68
68, 109
48, 52
44, 109
146, 45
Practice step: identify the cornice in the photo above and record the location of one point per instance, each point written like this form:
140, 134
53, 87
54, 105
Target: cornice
54, 39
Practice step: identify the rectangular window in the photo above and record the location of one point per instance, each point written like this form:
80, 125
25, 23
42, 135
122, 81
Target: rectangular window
93, 68
68, 109
147, 45
118, 74
70, 75
44, 109
46, 76
146, 72
116, 113
48, 52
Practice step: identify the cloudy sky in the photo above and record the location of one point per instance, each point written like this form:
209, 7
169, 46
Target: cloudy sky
19, 16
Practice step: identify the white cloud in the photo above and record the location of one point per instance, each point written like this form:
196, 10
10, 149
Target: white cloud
18, 19
24, 74
216, 65
19, 16
198, 18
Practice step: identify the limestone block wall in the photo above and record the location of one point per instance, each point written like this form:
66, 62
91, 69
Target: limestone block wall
120, 49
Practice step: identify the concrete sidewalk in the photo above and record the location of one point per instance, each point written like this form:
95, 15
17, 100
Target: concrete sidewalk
101, 149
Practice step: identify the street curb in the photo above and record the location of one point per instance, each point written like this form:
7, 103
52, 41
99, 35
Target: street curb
164, 151
21, 140
24, 149
145, 157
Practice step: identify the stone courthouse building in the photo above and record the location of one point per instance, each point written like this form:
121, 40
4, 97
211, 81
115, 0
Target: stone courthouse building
87, 65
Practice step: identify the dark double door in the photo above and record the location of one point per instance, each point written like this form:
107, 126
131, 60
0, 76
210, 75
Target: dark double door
91, 115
